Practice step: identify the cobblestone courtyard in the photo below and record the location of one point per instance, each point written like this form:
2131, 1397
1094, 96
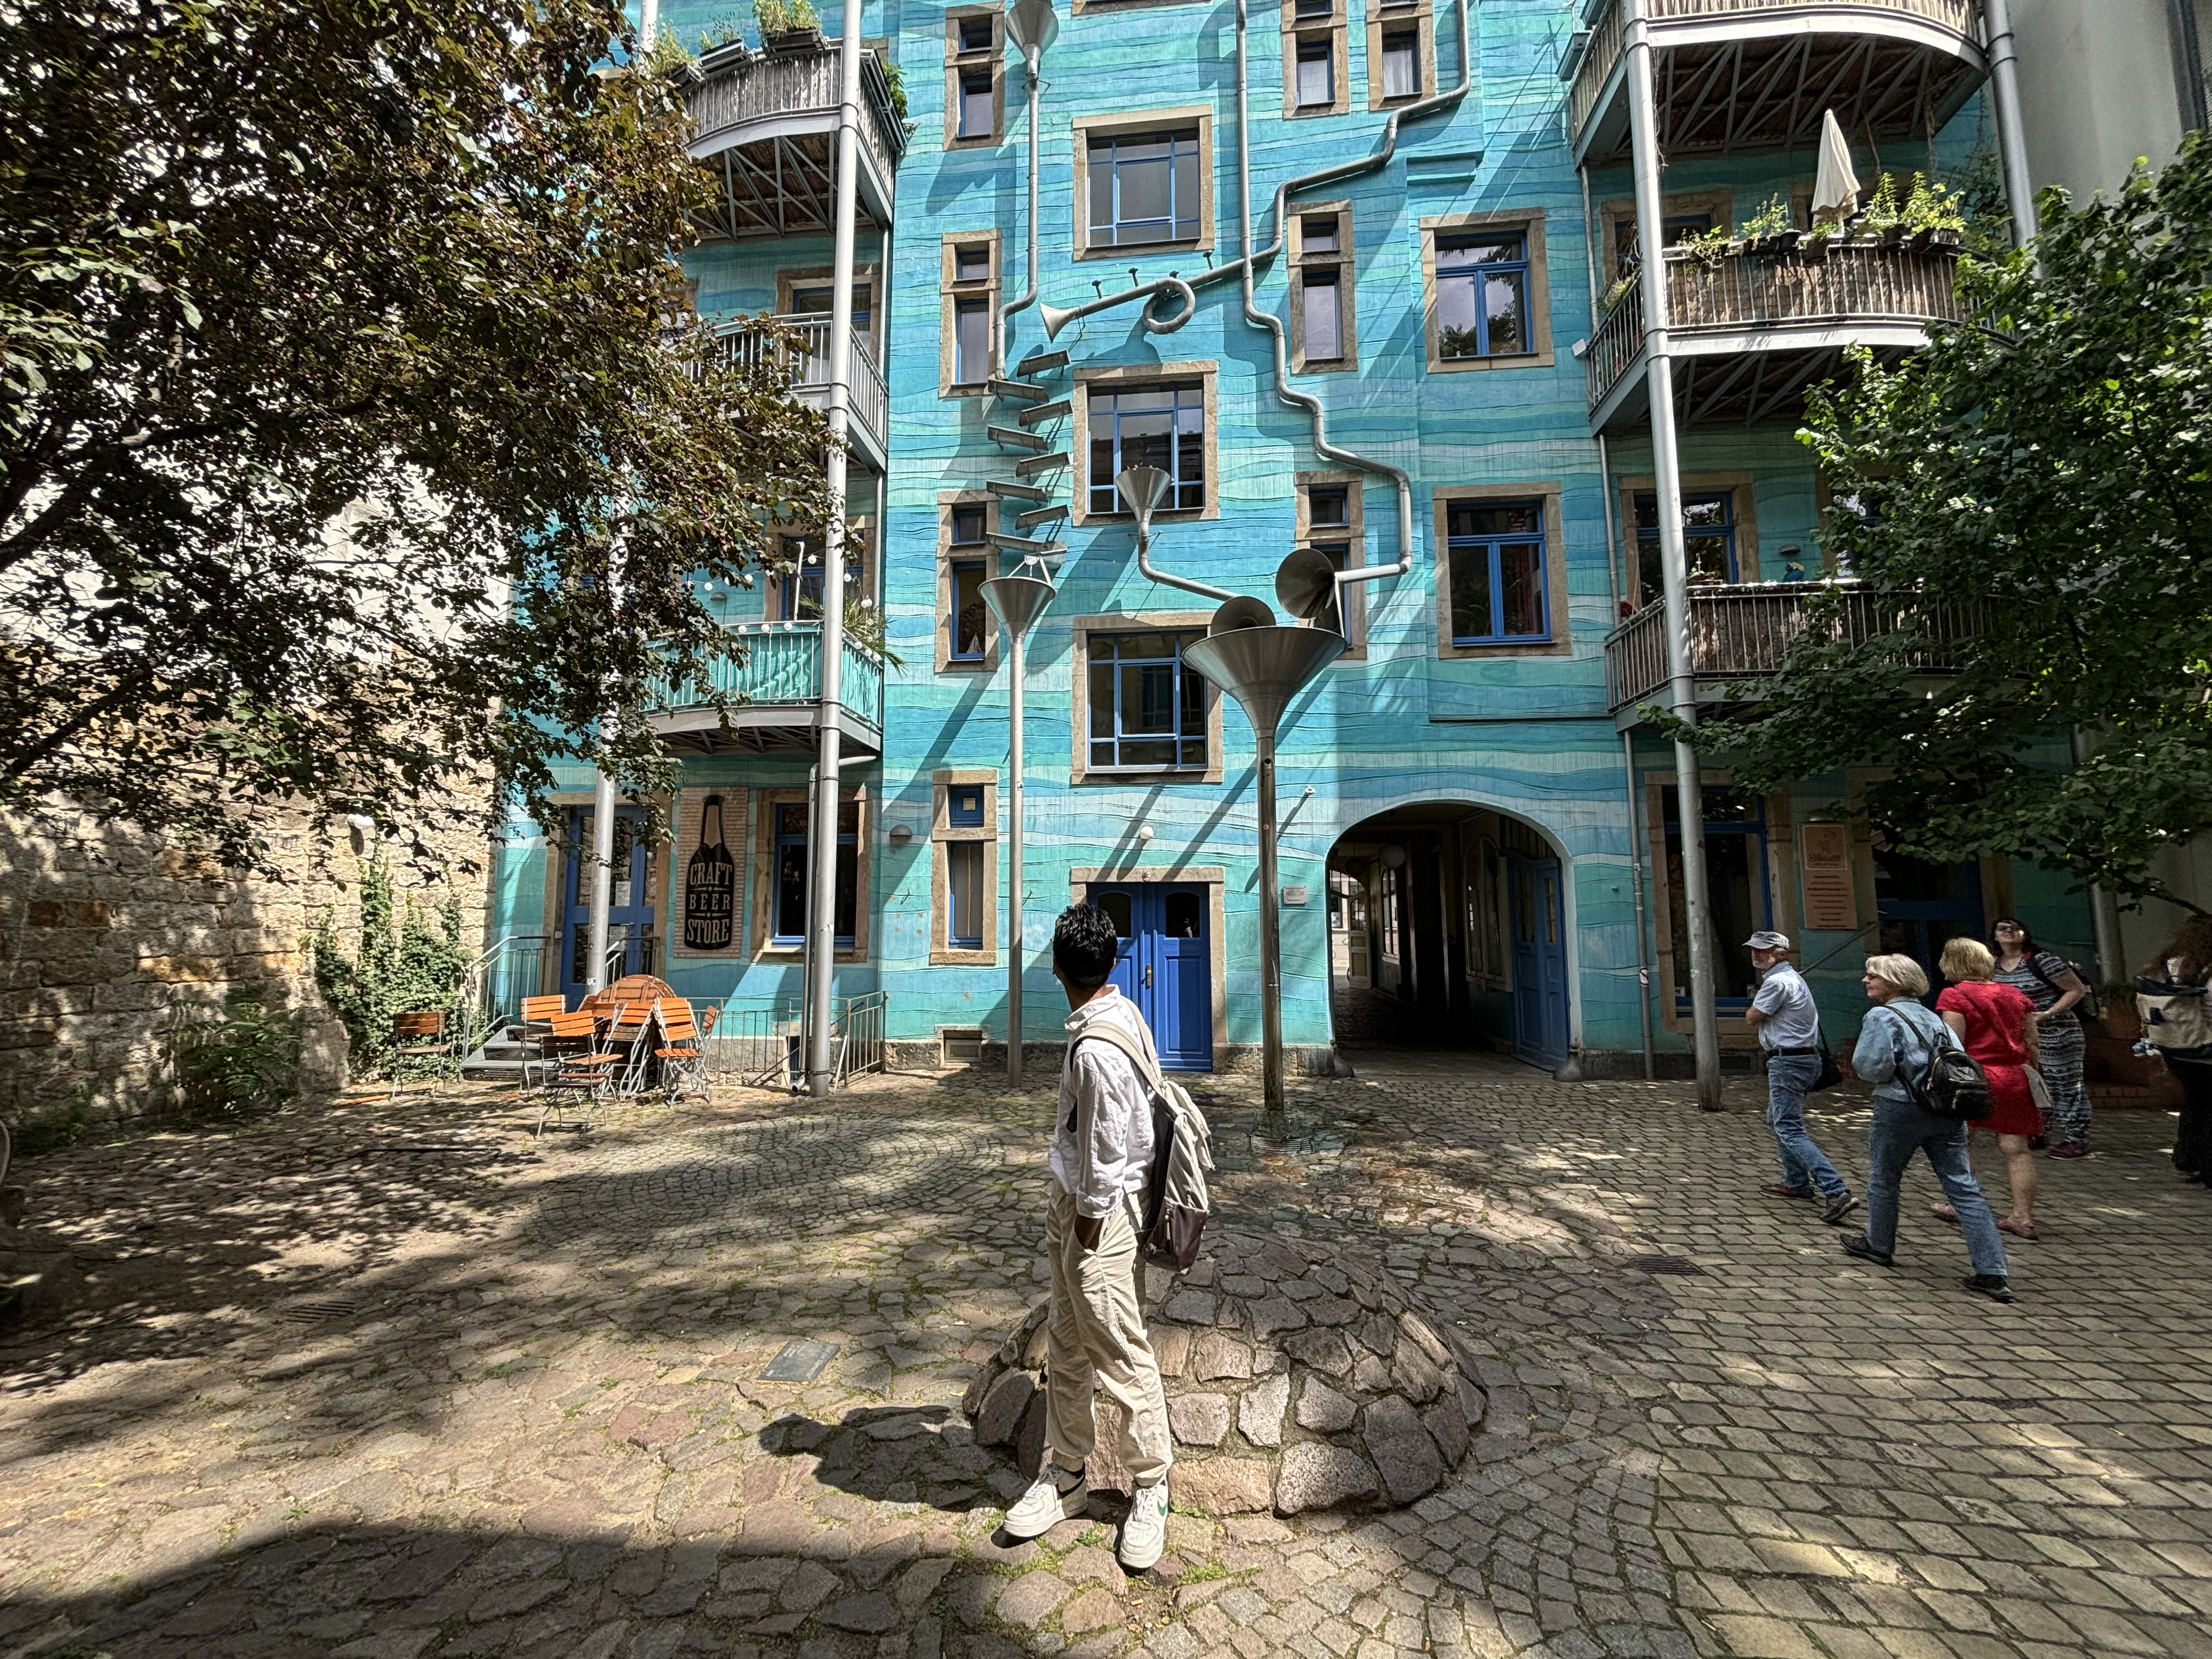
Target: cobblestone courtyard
385, 1384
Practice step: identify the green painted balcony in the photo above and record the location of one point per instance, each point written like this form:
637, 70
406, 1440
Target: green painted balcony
772, 671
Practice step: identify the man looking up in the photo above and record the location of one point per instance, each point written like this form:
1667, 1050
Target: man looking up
1788, 1027
1095, 1339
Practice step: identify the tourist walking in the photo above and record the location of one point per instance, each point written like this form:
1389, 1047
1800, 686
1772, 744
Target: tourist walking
1094, 1337
2050, 983
1897, 1043
2178, 977
1789, 1026
1996, 1025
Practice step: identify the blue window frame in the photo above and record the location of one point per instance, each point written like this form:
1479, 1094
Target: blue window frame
1147, 706
1498, 587
1482, 295
967, 628
791, 869
796, 596
1160, 426
1708, 538
1735, 882
963, 805
964, 895
1145, 187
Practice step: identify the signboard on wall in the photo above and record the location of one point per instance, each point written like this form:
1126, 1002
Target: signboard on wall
710, 885
1824, 870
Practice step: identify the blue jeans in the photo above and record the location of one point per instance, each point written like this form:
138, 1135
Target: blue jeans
1901, 1129
1803, 1163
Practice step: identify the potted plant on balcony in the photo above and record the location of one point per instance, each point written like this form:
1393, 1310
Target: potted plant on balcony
1932, 218
788, 27
722, 45
1770, 230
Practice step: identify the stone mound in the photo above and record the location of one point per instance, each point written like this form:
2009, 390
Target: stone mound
1297, 1379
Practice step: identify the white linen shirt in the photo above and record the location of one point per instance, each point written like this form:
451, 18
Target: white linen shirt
1101, 1139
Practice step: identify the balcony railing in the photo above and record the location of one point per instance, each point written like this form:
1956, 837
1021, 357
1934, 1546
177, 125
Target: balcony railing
804, 363
778, 666
1858, 281
768, 124
1745, 631
1773, 115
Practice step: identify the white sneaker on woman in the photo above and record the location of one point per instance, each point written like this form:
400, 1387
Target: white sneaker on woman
1145, 1534
1047, 1502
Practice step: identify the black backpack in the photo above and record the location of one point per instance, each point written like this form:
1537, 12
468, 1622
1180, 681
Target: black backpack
1953, 1084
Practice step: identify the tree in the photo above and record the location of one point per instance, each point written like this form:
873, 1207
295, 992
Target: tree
353, 438
2029, 498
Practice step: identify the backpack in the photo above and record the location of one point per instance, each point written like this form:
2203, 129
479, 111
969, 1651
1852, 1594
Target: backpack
1953, 1084
1175, 1202
2086, 1010
2176, 1018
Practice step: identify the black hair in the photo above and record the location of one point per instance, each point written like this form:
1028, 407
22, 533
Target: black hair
1084, 944
2028, 947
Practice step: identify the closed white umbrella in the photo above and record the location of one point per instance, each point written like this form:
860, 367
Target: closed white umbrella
1835, 188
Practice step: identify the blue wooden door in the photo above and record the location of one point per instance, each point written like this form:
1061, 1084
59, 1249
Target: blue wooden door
1164, 965
1540, 960
629, 913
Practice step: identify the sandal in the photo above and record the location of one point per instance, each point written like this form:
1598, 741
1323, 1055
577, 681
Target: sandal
1943, 1212
2018, 1228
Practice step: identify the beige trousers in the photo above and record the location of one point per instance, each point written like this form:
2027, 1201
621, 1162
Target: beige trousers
1095, 1343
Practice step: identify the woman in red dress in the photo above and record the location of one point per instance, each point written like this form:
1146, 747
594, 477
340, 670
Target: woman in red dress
1996, 1025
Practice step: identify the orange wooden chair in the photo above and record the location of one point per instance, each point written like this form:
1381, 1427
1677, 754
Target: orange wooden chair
535, 1026
423, 1043
682, 1051
577, 1066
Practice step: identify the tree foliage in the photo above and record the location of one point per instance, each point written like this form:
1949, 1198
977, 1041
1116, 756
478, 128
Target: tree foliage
2029, 499
348, 442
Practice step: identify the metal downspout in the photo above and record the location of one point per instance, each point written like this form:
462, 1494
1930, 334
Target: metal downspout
821, 895
1666, 468
2012, 133
1029, 57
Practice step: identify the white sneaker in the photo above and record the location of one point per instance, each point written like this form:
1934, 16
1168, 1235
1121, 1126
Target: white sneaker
1145, 1534
1046, 1503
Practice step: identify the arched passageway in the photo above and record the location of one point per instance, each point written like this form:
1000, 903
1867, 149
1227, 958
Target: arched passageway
1448, 934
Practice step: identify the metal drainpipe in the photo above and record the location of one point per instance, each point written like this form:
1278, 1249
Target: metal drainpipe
1029, 298
2012, 135
1666, 467
822, 898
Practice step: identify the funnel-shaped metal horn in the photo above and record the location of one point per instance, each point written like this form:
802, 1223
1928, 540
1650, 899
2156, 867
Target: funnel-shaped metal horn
1055, 318
1142, 487
1241, 612
1031, 24
1305, 582
1017, 600
1263, 668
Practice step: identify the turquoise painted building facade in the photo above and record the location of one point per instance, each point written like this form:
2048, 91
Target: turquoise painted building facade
1475, 829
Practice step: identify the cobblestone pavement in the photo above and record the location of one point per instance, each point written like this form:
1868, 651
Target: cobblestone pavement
381, 1384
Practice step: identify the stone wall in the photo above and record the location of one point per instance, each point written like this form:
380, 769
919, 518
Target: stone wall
105, 930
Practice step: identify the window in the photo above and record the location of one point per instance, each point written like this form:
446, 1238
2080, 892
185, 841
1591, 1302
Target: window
968, 525
964, 894
971, 342
1159, 425
974, 34
1735, 882
977, 105
796, 596
963, 805
1318, 233
1676, 229
1328, 507
968, 627
1497, 573
1144, 188
820, 299
1316, 72
1329, 525
1482, 295
1147, 710
1324, 316
1307, 10
1708, 539
791, 872
1401, 72
1386, 910
971, 263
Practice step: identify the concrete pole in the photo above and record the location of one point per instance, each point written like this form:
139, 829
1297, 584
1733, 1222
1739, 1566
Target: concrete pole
821, 895
603, 876
2012, 135
1666, 468
1015, 952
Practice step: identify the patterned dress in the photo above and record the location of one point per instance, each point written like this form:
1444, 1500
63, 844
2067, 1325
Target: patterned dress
2065, 1047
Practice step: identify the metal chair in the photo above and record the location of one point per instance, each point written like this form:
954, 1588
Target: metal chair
682, 1053
578, 1064
423, 1042
629, 1043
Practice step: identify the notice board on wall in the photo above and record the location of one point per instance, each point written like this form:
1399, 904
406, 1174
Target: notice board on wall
1824, 867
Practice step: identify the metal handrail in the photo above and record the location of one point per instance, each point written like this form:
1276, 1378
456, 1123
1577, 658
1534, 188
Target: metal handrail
760, 1042
763, 88
805, 362
779, 664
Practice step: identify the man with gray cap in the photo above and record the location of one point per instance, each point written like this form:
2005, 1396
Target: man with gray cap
1788, 1027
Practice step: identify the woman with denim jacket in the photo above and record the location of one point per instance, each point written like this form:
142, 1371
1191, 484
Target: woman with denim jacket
1897, 1042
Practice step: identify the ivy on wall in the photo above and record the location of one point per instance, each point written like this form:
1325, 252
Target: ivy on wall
409, 961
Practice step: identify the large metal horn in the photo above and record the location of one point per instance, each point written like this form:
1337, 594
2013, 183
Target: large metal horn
1055, 318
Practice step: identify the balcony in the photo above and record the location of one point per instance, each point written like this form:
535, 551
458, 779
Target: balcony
804, 362
1752, 331
773, 670
1733, 76
1743, 632
767, 126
